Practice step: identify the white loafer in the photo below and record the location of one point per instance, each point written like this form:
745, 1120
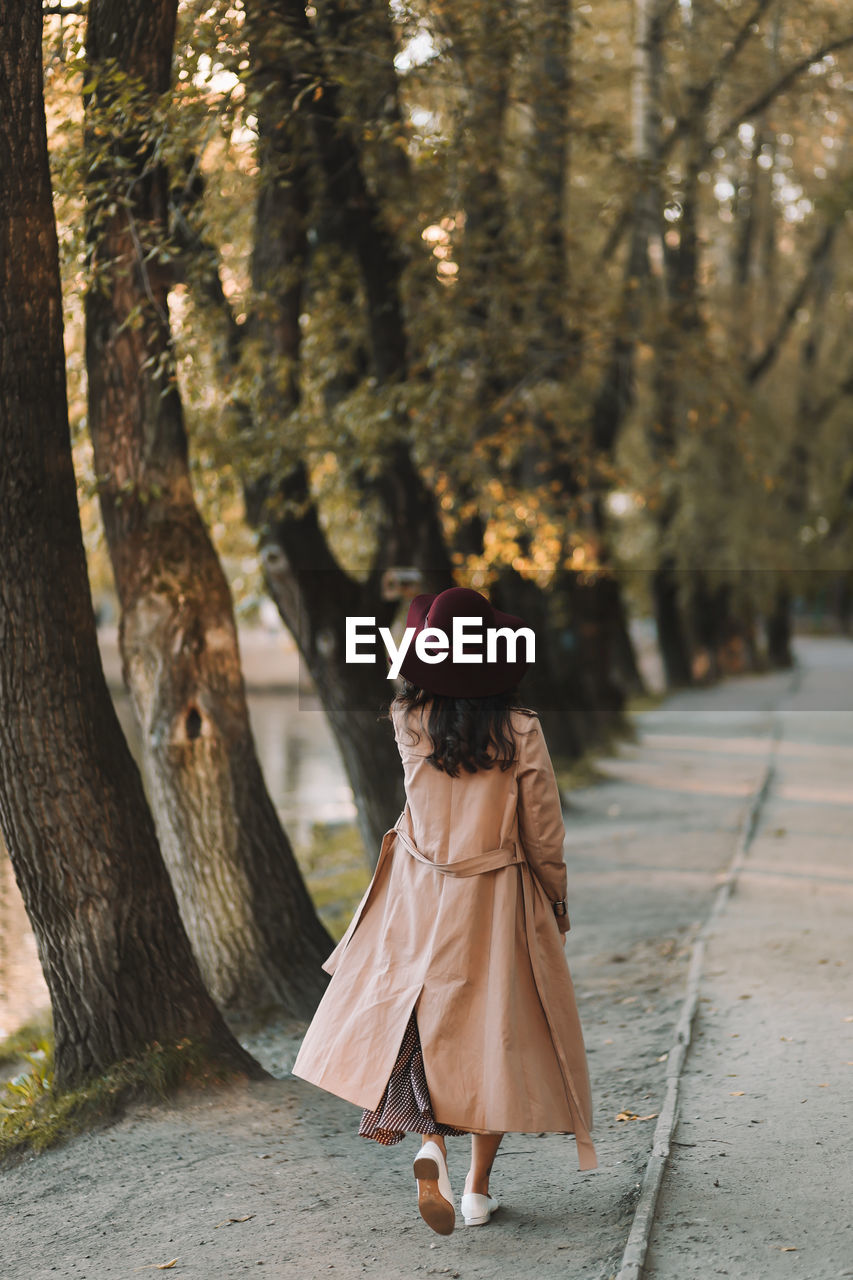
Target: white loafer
435, 1198
478, 1209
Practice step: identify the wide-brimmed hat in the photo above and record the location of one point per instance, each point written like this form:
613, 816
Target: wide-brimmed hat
457, 679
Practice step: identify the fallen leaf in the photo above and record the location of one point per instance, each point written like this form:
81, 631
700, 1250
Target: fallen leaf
226, 1222
825, 1085
788, 1248
786, 1037
648, 1117
738, 1093
626, 1115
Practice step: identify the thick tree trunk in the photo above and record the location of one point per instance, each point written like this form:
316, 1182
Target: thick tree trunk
114, 952
313, 591
253, 927
315, 596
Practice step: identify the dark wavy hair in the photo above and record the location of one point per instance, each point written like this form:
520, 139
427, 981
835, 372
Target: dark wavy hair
466, 733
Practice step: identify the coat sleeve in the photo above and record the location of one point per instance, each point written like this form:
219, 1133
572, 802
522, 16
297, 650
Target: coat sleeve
540, 817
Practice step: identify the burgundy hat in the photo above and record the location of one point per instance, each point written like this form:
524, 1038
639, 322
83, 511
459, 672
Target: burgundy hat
462, 679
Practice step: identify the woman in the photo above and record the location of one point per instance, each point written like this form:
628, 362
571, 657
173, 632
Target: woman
451, 1008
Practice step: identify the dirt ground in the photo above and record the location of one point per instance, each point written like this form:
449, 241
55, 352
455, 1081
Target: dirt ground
271, 1178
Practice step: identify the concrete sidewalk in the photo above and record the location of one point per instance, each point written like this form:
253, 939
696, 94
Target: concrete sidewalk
759, 1182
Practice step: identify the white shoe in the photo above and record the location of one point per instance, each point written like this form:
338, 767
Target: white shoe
478, 1209
435, 1198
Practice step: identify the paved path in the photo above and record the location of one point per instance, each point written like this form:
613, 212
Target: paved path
271, 1178
760, 1180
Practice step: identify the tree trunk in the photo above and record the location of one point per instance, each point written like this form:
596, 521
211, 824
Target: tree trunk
724, 633
844, 603
253, 927
556, 685
672, 641
314, 593
602, 604
778, 629
314, 596
682, 317
114, 952
543, 194
615, 396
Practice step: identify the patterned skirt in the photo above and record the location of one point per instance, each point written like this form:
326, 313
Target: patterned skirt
405, 1106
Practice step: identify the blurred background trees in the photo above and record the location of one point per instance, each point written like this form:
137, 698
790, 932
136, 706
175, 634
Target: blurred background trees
550, 299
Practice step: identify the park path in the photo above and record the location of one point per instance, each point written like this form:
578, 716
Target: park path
270, 1178
759, 1183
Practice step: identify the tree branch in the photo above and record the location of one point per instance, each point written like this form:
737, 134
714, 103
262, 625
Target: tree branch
702, 94
767, 95
701, 99
824, 407
759, 366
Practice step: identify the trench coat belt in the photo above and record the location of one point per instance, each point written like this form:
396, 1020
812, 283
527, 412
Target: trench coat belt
506, 855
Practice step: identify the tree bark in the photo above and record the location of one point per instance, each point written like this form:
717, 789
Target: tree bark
543, 194
778, 629
615, 396
843, 602
672, 641
557, 685
616, 393
114, 952
682, 316
303, 140
253, 927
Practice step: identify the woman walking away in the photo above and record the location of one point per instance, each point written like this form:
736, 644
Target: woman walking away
451, 1009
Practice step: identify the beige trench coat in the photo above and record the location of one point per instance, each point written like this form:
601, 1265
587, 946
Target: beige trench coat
457, 922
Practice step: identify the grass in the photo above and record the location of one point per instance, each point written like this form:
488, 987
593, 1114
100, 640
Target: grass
35, 1115
644, 702
29, 1038
579, 772
336, 872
